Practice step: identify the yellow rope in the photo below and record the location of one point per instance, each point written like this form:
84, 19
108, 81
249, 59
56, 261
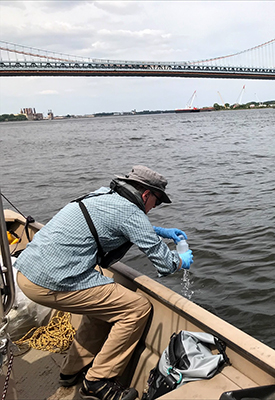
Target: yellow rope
55, 337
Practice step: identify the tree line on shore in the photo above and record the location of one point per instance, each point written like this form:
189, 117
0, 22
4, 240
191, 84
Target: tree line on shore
216, 107
12, 117
251, 104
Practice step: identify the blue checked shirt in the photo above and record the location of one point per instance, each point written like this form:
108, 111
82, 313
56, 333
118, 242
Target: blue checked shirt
62, 255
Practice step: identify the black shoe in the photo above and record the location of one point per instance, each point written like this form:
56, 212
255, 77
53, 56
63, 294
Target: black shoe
71, 380
106, 389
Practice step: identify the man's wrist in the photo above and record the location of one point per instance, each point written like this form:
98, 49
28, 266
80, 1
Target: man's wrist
180, 265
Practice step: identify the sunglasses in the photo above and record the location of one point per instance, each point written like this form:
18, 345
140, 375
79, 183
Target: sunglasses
158, 201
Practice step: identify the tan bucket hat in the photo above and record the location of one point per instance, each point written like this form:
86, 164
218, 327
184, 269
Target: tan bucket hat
149, 179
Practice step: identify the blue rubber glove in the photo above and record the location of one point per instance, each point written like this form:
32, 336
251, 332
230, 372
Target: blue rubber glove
187, 259
171, 233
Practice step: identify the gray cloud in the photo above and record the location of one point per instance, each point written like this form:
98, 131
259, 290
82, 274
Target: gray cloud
119, 7
62, 5
13, 4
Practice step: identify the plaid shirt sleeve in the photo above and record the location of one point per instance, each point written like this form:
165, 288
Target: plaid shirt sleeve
140, 232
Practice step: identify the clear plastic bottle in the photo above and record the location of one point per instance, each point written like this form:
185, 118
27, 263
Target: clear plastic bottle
182, 245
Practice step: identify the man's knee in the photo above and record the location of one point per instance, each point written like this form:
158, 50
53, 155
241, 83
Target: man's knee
144, 306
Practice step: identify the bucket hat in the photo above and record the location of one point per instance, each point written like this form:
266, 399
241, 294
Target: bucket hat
149, 179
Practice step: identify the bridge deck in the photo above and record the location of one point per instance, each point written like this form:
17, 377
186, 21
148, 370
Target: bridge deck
181, 71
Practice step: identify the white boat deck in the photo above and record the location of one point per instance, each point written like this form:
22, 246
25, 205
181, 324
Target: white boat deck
36, 375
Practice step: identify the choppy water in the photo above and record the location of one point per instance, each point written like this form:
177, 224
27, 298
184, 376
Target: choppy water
220, 169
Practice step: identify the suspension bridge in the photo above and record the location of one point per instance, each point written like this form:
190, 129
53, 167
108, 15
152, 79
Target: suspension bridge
255, 63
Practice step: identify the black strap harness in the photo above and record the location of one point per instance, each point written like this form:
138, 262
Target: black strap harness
105, 260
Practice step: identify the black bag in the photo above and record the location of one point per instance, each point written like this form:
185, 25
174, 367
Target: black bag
187, 358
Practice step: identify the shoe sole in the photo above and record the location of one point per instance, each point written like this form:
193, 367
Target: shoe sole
86, 396
91, 397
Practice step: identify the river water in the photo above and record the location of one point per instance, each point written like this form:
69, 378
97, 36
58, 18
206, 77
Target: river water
220, 171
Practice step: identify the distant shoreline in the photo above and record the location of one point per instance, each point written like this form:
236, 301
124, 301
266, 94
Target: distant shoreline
216, 107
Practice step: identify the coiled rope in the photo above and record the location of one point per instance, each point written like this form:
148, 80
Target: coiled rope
55, 337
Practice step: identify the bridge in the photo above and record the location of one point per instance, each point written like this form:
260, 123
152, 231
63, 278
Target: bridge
254, 63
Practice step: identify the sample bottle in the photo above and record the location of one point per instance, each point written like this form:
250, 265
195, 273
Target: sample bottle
182, 246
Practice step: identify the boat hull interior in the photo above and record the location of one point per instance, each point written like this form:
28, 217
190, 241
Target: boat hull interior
35, 374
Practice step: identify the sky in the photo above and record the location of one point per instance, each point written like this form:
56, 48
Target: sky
133, 30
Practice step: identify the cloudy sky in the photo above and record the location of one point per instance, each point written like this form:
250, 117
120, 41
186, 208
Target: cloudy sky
133, 30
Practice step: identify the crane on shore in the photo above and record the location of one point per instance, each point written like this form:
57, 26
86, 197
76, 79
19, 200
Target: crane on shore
191, 100
238, 102
222, 100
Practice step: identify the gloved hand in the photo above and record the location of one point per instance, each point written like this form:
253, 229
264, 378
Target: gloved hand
187, 259
171, 233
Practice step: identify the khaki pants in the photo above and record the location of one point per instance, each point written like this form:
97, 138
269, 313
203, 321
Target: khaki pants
113, 321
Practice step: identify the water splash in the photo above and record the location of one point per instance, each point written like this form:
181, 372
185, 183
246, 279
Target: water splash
186, 285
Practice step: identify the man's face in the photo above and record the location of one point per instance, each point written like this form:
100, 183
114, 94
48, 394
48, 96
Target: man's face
150, 200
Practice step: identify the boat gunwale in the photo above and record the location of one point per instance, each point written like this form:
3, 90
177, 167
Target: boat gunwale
11, 215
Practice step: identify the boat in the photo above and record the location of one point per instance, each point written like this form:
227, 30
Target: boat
187, 110
34, 374
189, 106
